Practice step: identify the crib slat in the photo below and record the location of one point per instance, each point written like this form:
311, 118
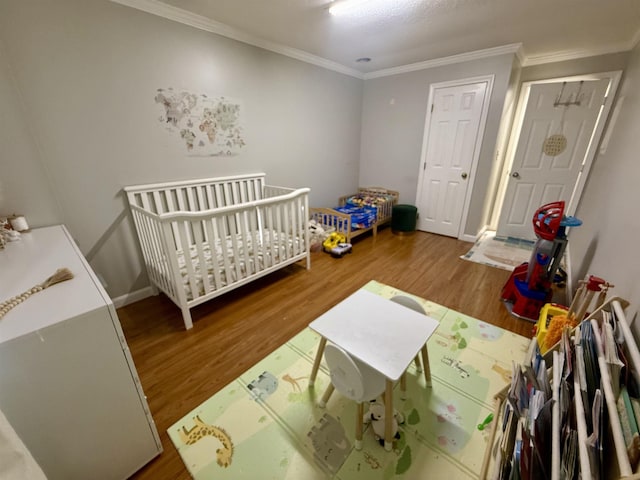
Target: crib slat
254, 191
219, 191
203, 202
198, 238
145, 201
172, 208
295, 230
244, 197
269, 254
223, 236
214, 238
188, 262
286, 231
245, 241
276, 241
256, 240
210, 198
235, 249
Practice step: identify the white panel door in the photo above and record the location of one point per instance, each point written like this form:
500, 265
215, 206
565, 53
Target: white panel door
536, 177
451, 142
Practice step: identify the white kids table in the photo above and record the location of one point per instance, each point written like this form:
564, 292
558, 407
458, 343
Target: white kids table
383, 334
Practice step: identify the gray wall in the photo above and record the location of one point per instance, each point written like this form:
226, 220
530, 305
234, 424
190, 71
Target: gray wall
606, 245
81, 121
393, 122
24, 187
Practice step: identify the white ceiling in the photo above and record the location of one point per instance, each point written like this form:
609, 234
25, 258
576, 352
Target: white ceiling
397, 33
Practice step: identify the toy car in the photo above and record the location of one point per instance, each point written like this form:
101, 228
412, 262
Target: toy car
340, 249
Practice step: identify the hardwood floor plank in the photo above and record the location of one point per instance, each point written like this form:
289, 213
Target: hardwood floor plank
181, 369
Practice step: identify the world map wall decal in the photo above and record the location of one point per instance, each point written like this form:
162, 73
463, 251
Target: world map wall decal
206, 126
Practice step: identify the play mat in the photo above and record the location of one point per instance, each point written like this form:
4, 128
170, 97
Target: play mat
266, 424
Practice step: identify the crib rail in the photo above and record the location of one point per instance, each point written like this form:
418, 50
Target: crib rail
197, 195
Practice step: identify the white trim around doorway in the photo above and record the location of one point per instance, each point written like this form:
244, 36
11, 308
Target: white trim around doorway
478, 145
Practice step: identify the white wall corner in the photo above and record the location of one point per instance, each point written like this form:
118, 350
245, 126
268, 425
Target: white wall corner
128, 298
466, 237
520, 54
635, 40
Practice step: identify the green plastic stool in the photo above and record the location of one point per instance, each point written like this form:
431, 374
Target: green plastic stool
403, 219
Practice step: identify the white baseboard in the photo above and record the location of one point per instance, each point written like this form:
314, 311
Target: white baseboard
465, 237
469, 238
128, 298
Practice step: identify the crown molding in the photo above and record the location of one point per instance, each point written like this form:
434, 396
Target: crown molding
170, 12
576, 54
185, 17
513, 48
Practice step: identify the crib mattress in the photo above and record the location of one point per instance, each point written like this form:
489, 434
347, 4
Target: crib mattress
270, 248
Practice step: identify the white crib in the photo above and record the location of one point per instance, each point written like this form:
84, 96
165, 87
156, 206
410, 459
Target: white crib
202, 238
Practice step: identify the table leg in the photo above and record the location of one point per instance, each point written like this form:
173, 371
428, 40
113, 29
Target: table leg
388, 415
316, 362
425, 364
359, 421
403, 386
418, 364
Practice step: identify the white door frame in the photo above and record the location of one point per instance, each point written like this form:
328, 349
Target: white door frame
476, 149
614, 82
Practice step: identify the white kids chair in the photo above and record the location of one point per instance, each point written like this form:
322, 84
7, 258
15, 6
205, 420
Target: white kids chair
415, 306
353, 379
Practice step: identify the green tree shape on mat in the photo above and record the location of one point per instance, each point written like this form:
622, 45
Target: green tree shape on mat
459, 324
414, 417
404, 462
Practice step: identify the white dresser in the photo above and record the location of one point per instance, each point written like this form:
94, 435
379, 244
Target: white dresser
68, 384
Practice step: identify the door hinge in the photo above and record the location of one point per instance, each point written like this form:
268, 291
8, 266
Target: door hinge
424, 166
432, 108
604, 100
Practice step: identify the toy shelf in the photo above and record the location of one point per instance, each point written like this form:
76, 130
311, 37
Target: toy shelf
617, 464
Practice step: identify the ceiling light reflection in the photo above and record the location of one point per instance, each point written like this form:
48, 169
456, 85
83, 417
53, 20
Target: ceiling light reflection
340, 7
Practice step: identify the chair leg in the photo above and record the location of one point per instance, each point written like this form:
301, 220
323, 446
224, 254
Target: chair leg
388, 413
316, 362
418, 364
326, 396
359, 420
427, 368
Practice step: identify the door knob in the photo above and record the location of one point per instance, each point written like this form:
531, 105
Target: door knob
515, 175
463, 174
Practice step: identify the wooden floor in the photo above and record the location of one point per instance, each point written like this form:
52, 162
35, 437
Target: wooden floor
181, 369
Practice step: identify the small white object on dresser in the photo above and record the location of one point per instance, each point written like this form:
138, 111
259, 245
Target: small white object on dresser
68, 384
